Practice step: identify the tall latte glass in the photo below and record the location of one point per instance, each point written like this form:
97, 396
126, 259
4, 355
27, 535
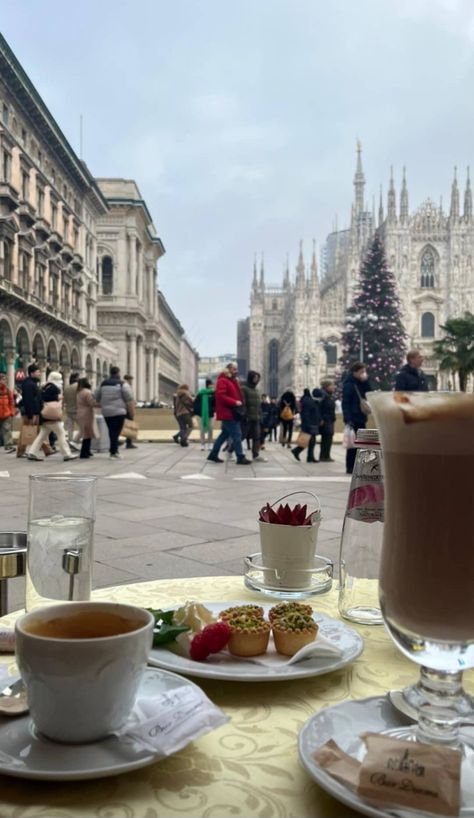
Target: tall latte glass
427, 566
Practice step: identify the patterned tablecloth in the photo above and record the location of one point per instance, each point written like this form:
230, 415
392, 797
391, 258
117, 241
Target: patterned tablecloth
249, 767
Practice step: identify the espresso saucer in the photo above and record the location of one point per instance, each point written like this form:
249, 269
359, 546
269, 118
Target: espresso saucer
344, 723
24, 753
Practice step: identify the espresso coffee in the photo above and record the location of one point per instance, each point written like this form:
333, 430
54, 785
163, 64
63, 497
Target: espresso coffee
83, 625
427, 569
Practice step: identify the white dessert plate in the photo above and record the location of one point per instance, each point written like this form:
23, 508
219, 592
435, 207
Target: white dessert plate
24, 753
344, 723
225, 666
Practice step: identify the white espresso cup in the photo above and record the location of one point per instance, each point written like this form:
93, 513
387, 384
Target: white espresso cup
82, 663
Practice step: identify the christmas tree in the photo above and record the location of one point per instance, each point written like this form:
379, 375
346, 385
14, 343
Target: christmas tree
375, 333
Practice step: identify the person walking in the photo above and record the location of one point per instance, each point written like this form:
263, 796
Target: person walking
50, 415
115, 399
184, 413
310, 419
129, 444
30, 403
411, 377
253, 410
204, 408
86, 416
229, 410
287, 411
328, 419
273, 420
70, 408
354, 390
7, 413
265, 409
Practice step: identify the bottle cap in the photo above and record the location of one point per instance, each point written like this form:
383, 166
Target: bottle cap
367, 437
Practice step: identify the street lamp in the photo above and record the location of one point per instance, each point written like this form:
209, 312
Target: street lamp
306, 361
364, 321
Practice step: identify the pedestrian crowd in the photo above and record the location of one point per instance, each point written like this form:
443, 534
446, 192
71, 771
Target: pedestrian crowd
54, 416
57, 417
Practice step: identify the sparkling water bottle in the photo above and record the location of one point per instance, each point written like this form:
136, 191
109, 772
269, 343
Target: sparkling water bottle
361, 539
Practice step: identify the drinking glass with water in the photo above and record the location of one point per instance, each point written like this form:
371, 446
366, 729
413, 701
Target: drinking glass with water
61, 515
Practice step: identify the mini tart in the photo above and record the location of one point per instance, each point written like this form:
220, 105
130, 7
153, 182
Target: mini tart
254, 611
249, 636
292, 632
284, 608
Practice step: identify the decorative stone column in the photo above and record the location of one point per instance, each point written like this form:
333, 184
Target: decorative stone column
133, 358
10, 356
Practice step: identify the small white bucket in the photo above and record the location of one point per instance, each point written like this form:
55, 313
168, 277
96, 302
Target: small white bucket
289, 549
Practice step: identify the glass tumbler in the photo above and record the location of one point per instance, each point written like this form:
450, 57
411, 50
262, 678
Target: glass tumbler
362, 533
61, 515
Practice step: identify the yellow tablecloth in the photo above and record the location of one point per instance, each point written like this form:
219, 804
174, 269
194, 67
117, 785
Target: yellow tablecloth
249, 767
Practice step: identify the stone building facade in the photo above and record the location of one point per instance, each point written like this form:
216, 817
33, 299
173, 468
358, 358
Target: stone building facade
171, 333
189, 364
49, 205
127, 258
295, 327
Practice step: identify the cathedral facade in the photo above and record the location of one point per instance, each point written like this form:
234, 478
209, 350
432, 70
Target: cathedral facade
295, 328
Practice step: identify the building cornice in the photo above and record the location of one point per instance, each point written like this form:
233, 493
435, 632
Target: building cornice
28, 97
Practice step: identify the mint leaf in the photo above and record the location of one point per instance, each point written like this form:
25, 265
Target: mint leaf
165, 631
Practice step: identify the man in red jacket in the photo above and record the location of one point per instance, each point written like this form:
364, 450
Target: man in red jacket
229, 410
7, 412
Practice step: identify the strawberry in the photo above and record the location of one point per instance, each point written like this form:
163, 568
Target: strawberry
215, 636
197, 649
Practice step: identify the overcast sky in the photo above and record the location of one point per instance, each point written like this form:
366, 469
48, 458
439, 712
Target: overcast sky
239, 120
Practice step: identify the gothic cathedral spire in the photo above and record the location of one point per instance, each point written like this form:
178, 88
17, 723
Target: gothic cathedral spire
404, 200
255, 280
454, 211
391, 200
359, 181
300, 269
262, 275
286, 273
468, 199
381, 215
314, 268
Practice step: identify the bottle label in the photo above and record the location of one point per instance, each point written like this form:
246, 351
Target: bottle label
365, 503
366, 497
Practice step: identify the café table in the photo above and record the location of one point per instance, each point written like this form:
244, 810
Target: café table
248, 767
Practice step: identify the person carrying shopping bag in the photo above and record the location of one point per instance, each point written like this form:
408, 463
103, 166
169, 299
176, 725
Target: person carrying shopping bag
51, 419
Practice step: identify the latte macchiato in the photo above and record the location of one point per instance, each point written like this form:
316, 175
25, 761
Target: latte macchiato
427, 570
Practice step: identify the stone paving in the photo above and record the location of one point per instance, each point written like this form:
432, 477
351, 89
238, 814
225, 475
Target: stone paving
163, 511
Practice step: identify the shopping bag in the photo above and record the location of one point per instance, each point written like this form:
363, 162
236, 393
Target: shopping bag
27, 435
349, 436
130, 429
303, 440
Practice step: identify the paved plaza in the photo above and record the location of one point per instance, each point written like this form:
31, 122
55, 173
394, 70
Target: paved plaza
164, 511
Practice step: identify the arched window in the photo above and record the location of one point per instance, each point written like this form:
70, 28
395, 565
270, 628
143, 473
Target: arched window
274, 304
331, 354
107, 275
427, 269
5, 260
427, 325
273, 355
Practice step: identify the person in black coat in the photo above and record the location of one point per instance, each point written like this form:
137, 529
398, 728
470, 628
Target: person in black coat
310, 420
328, 419
411, 377
30, 403
287, 406
354, 390
273, 419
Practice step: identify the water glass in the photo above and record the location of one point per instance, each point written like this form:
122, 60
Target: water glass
61, 515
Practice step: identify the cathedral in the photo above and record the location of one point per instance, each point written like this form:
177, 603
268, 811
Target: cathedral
293, 334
